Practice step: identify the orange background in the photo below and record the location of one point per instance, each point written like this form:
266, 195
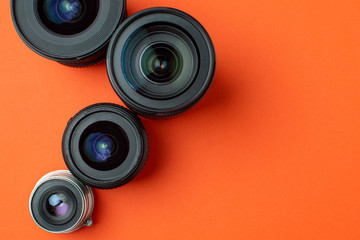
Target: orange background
271, 152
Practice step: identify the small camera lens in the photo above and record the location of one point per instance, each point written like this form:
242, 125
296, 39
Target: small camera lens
105, 145
160, 62
60, 203
72, 32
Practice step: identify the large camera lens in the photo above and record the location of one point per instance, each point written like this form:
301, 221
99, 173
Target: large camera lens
73, 32
105, 145
160, 62
60, 203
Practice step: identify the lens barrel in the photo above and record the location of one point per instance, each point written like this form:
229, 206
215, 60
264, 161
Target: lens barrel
160, 62
75, 33
105, 145
60, 203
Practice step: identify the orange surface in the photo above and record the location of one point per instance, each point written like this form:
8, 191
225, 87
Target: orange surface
271, 152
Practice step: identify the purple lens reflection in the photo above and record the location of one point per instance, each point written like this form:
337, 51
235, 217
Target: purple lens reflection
57, 205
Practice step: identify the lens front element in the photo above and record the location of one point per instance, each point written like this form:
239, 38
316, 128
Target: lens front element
99, 147
62, 11
104, 145
68, 17
58, 205
161, 63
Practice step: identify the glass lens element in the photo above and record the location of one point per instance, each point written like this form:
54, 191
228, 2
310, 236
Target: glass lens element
99, 147
161, 63
104, 145
61, 11
57, 205
68, 17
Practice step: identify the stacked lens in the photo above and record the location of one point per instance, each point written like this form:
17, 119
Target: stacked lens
160, 62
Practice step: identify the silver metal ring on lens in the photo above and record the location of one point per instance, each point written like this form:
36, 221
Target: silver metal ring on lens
84, 198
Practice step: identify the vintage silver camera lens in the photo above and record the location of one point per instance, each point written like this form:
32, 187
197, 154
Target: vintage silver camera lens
60, 203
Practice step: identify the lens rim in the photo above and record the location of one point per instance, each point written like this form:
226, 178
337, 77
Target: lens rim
134, 161
80, 195
154, 108
78, 50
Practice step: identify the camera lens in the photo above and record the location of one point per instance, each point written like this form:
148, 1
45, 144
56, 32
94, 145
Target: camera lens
105, 145
72, 32
60, 203
160, 62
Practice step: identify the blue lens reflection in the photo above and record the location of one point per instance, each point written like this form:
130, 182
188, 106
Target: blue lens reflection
63, 11
57, 205
99, 147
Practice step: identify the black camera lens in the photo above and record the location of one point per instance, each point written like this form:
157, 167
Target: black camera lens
160, 62
105, 145
72, 32
60, 203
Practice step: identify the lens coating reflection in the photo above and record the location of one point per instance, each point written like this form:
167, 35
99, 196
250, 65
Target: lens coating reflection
61, 11
159, 61
104, 145
57, 205
99, 147
68, 16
